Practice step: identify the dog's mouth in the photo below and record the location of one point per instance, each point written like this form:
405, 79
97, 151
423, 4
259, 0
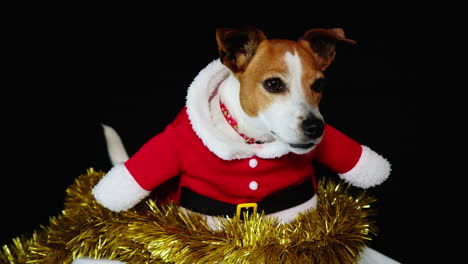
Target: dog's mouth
302, 146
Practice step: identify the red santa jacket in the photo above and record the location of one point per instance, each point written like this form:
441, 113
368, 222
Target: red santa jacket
179, 151
229, 171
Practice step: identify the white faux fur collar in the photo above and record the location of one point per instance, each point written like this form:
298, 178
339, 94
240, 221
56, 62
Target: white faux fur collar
215, 132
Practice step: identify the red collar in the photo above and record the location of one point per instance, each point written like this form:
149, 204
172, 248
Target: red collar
234, 124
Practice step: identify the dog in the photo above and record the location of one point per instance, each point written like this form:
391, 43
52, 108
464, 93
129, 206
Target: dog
247, 136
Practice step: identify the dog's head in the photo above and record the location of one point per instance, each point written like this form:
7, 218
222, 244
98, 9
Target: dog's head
281, 81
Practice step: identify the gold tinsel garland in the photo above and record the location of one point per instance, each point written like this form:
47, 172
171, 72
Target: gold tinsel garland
335, 232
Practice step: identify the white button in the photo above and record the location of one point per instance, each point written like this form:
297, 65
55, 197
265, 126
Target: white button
253, 163
253, 185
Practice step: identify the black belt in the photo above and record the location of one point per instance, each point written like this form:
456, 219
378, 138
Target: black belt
276, 202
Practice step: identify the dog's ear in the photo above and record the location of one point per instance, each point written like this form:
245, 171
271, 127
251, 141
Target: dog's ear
237, 46
323, 43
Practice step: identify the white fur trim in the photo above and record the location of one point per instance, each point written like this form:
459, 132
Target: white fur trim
370, 170
118, 190
216, 223
96, 261
207, 127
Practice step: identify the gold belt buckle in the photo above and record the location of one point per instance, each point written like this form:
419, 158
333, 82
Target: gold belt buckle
245, 206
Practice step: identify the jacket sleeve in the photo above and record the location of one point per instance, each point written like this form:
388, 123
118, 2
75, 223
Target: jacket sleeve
354, 163
126, 184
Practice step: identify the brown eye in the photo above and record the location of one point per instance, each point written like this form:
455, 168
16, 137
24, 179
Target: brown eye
319, 85
274, 85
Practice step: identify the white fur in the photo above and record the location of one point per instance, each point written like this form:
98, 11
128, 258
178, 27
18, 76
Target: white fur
215, 133
226, 92
370, 170
95, 261
115, 148
229, 93
298, 102
118, 190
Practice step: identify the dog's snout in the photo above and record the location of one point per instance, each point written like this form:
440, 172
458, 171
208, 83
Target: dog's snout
313, 127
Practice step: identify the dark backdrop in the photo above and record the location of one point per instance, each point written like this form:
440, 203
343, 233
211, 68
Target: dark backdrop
397, 91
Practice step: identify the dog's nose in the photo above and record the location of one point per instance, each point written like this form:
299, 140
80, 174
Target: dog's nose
313, 127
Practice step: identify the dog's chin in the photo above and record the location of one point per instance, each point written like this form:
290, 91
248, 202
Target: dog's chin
298, 148
301, 148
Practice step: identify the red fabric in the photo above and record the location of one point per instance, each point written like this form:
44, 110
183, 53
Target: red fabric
179, 151
157, 161
337, 151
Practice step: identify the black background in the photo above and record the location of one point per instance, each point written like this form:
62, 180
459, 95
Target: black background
398, 91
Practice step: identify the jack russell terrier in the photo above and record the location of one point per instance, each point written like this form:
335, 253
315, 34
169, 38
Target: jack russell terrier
247, 136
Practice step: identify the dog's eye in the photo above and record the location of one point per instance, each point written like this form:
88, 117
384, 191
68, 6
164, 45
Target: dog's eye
319, 85
274, 85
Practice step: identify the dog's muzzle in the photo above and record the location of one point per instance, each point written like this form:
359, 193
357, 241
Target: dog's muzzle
312, 128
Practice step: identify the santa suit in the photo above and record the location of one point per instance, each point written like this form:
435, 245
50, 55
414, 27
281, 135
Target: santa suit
215, 162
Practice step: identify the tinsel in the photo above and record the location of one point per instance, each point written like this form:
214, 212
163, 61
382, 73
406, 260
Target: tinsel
335, 232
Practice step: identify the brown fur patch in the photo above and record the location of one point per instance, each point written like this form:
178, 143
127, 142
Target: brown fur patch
269, 62
310, 72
